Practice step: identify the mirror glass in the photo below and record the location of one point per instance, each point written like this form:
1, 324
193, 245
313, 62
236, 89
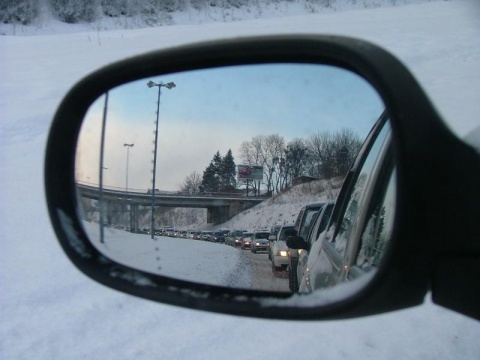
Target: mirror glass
192, 175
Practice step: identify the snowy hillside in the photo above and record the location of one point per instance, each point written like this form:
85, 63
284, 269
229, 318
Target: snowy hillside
279, 209
283, 208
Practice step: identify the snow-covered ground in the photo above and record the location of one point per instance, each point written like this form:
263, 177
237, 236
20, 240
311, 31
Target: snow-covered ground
49, 310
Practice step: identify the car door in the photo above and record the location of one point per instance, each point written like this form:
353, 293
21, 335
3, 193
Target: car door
318, 227
338, 260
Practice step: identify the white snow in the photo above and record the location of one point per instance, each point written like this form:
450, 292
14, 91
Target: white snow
49, 310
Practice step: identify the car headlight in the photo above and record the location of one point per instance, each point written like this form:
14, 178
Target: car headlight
282, 253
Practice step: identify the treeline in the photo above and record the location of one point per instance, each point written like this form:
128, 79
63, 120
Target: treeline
78, 11
323, 155
153, 12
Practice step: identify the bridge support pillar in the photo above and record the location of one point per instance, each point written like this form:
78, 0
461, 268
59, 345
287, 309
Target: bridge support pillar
218, 214
134, 218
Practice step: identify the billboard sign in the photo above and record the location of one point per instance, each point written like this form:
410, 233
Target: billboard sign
250, 172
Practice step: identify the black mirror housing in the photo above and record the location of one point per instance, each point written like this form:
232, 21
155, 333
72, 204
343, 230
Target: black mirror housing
297, 242
431, 248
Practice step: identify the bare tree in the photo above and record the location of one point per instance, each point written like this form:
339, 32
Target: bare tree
252, 153
274, 147
332, 153
347, 147
297, 158
191, 183
321, 148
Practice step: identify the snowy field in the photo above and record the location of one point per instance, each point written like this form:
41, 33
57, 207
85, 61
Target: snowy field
49, 310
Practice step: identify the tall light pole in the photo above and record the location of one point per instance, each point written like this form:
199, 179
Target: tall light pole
169, 86
100, 172
128, 146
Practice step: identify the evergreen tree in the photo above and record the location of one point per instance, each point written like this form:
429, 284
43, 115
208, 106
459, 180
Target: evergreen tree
210, 180
227, 172
220, 173
217, 162
18, 11
74, 11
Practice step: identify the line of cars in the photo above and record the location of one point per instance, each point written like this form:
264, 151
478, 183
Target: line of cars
205, 235
256, 241
271, 241
291, 256
311, 221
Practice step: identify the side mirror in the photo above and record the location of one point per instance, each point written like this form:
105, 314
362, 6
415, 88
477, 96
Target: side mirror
219, 97
272, 237
297, 242
291, 232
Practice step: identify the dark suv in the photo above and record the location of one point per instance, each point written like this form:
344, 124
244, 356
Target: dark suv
305, 220
310, 244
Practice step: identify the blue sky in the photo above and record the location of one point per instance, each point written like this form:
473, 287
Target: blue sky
218, 109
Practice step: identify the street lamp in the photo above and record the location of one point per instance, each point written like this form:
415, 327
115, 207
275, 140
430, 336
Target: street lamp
169, 86
100, 173
128, 146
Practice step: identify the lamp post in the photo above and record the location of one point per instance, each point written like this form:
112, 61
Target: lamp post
128, 146
100, 172
169, 86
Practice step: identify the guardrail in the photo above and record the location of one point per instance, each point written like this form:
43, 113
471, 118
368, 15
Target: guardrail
147, 192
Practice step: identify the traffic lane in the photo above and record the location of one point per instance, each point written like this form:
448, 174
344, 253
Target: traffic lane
262, 276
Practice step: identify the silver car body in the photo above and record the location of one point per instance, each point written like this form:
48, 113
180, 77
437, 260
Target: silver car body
279, 249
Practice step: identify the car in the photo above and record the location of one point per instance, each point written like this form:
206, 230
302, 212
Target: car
391, 233
260, 241
279, 251
274, 231
303, 223
195, 234
273, 236
360, 232
233, 238
218, 237
246, 240
304, 246
206, 235
229, 240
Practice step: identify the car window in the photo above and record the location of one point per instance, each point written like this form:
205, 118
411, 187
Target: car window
357, 201
323, 222
310, 217
275, 230
262, 235
378, 229
283, 236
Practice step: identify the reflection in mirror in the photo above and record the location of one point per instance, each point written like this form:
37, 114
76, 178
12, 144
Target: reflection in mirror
176, 174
